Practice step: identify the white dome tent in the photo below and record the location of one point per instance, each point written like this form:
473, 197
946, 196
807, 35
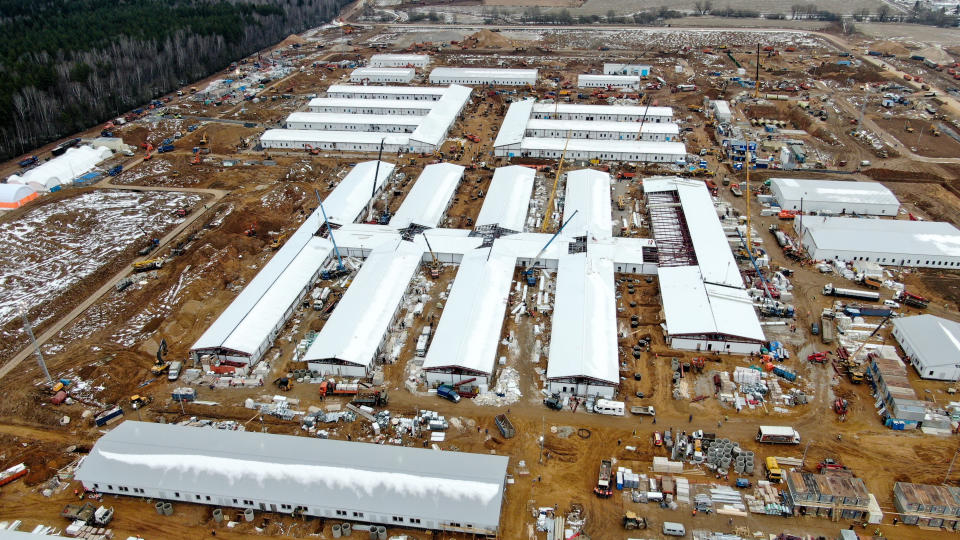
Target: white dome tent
62, 170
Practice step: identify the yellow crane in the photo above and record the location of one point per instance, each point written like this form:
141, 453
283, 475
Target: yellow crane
746, 165
548, 211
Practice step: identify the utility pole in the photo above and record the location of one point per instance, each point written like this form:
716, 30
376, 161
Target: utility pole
950, 468
756, 86
376, 175
803, 459
36, 346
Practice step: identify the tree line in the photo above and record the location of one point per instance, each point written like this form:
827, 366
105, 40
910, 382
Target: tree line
68, 64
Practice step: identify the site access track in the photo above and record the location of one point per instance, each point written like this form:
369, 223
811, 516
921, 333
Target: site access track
55, 328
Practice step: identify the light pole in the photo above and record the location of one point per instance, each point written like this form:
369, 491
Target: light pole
950, 468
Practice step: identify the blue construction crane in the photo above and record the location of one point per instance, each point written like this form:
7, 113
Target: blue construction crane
529, 273
341, 269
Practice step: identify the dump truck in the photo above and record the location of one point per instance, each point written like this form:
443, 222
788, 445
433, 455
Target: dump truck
772, 470
89, 514
378, 398
604, 489
778, 435
554, 402
643, 409
505, 426
872, 283
830, 290
448, 392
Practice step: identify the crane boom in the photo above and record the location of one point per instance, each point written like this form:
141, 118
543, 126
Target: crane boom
553, 193
533, 263
875, 330
336, 250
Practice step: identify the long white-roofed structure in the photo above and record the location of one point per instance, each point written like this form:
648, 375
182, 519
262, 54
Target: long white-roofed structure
834, 196
400, 60
347, 141
349, 343
604, 150
429, 197
508, 198
601, 129
584, 356
893, 242
389, 123
356, 105
476, 75
705, 304
588, 194
249, 325
593, 113
356, 91
588, 80
382, 75
360, 482
433, 130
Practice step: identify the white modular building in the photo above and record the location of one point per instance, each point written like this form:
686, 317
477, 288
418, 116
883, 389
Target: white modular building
428, 199
358, 105
344, 141
382, 75
350, 343
931, 344
721, 110
586, 204
383, 123
925, 244
431, 133
592, 113
705, 304
508, 198
601, 149
608, 81
363, 483
400, 60
577, 129
250, 324
484, 76
584, 356
416, 93
834, 197
626, 69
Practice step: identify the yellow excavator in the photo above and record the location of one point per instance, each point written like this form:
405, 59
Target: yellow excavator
278, 242
435, 266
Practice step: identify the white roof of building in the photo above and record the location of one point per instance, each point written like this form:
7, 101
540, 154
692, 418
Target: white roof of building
693, 307
614, 79
607, 126
884, 236
309, 136
514, 123
576, 108
397, 90
833, 191
429, 197
709, 240
605, 145
395, 58
722, 107
354, 331
935, 340
306, 471
488, 73
63, 169
361, 103
11, 193
345, 202
583, 340
508, 199
469, 330
433, 129
588, 193
349, 118
382, 71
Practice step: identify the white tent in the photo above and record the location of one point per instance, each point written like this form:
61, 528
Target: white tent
62, 170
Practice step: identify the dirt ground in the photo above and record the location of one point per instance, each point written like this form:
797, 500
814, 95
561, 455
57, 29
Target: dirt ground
921, 141
110, 347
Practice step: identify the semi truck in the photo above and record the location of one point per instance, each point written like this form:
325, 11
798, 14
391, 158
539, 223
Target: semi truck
911, 300
860, 310
505, 426
603, 489
830, 290
778, 435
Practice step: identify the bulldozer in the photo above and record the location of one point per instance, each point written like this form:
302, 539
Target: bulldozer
138, 401
632, 521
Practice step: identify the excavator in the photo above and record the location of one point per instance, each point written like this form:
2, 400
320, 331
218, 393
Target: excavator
161, 365
204, 139
138, 401
311, 150
149, 155
252, 230
278, 242
855, 370
435, 266
196, 157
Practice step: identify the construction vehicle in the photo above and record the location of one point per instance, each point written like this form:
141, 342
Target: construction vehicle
278, 241
138, 401
204, 139
554, 402
448, 392
832, 466
855, 370
379, 398
840, 406
872, 283
149, 148
283, 383
311, 150
772, 470
911, 300
735, 189
556, 181
908, 128
505, 426
149, 264
604, 489
341, 269
830, 290
530, 272
12, 473
196, 157
32, 160
620, 202
180, 212
435, 266
743, 483
87, 513
647, 410
631, 521
251, 230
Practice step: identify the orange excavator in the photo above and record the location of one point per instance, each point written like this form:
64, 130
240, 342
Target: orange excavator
313, 151
196, 157
252, 231
149, 152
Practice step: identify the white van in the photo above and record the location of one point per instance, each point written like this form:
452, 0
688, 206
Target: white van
174, 372
673, 529
606, 406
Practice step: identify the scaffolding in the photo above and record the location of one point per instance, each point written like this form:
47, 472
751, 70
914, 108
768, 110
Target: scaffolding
670, 230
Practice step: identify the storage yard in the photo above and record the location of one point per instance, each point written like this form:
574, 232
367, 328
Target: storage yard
413, 282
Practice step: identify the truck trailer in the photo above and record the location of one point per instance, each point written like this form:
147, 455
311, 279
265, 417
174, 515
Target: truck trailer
778, 435
830, 290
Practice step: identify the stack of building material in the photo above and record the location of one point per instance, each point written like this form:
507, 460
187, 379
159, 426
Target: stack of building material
702, 502
683, 489
664, 465
728, 501
627, 479
742, 375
